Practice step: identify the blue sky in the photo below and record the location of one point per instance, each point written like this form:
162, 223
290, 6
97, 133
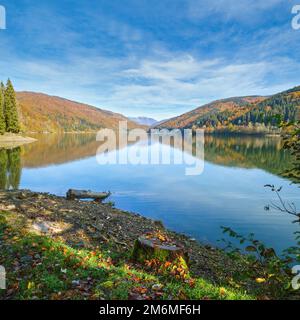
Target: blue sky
155, 58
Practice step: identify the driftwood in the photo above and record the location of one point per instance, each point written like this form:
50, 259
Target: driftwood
148, 249
87, 194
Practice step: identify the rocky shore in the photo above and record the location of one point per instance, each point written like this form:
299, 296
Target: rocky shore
88, 224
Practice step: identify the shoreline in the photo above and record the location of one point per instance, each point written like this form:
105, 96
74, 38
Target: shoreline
8, 140
121, 227
92, 228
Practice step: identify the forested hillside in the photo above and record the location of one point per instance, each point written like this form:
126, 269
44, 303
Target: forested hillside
285, 104
242, 114
42, 113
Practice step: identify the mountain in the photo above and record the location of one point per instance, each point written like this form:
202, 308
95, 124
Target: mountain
43, 113
159, 122
253, 114
144, 121
205, 115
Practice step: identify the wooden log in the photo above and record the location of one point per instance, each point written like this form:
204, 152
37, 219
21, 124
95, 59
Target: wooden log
148, 249
87, 194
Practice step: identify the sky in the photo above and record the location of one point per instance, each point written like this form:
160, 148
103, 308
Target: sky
154, 58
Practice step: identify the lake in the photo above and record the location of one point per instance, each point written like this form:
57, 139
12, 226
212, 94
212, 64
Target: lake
230, 191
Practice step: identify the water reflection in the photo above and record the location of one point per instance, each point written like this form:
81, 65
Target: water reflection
243, 152
53, 149
10, 168
227, 193
248, 152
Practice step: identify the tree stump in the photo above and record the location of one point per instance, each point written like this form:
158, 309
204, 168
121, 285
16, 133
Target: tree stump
148, 249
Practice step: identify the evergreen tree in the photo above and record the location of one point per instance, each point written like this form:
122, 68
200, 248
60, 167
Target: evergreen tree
2, 118
10, 109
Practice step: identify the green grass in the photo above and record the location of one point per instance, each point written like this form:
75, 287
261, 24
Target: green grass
39, 267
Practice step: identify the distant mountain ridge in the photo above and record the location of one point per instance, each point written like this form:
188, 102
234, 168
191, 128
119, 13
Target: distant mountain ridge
44, 113
241, 114
251, 114
144, 121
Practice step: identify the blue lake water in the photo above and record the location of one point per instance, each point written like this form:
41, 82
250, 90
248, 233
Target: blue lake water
230, 191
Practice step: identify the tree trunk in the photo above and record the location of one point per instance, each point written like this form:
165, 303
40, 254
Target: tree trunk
145, 249
86, 194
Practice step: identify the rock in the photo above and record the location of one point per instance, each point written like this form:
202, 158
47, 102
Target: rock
75, 283
48, 227
7, 207
41, 227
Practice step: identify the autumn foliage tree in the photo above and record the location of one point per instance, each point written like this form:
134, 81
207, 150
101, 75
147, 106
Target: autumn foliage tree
292, 142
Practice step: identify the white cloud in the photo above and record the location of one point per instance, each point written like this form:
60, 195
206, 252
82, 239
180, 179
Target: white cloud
158, 83
241, 10
168, 87
158, 87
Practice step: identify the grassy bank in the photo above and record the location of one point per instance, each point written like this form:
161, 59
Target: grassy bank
39, 267
52, 248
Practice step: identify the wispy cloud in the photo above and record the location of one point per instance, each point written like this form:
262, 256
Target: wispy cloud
156, 60
243, 11
160, 87
180, 83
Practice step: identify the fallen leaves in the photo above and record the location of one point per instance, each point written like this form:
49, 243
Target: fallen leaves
223, 291
260, 280
74, 265
30, 285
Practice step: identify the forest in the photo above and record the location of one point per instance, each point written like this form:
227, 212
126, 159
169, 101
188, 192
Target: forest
251, 115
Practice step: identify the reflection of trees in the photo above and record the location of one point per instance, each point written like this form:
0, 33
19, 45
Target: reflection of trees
50, 149
235, 151
53, 149
3, 168
248, 152
10, 168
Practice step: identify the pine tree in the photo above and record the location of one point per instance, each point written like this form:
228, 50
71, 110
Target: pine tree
10, 109
2, 118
